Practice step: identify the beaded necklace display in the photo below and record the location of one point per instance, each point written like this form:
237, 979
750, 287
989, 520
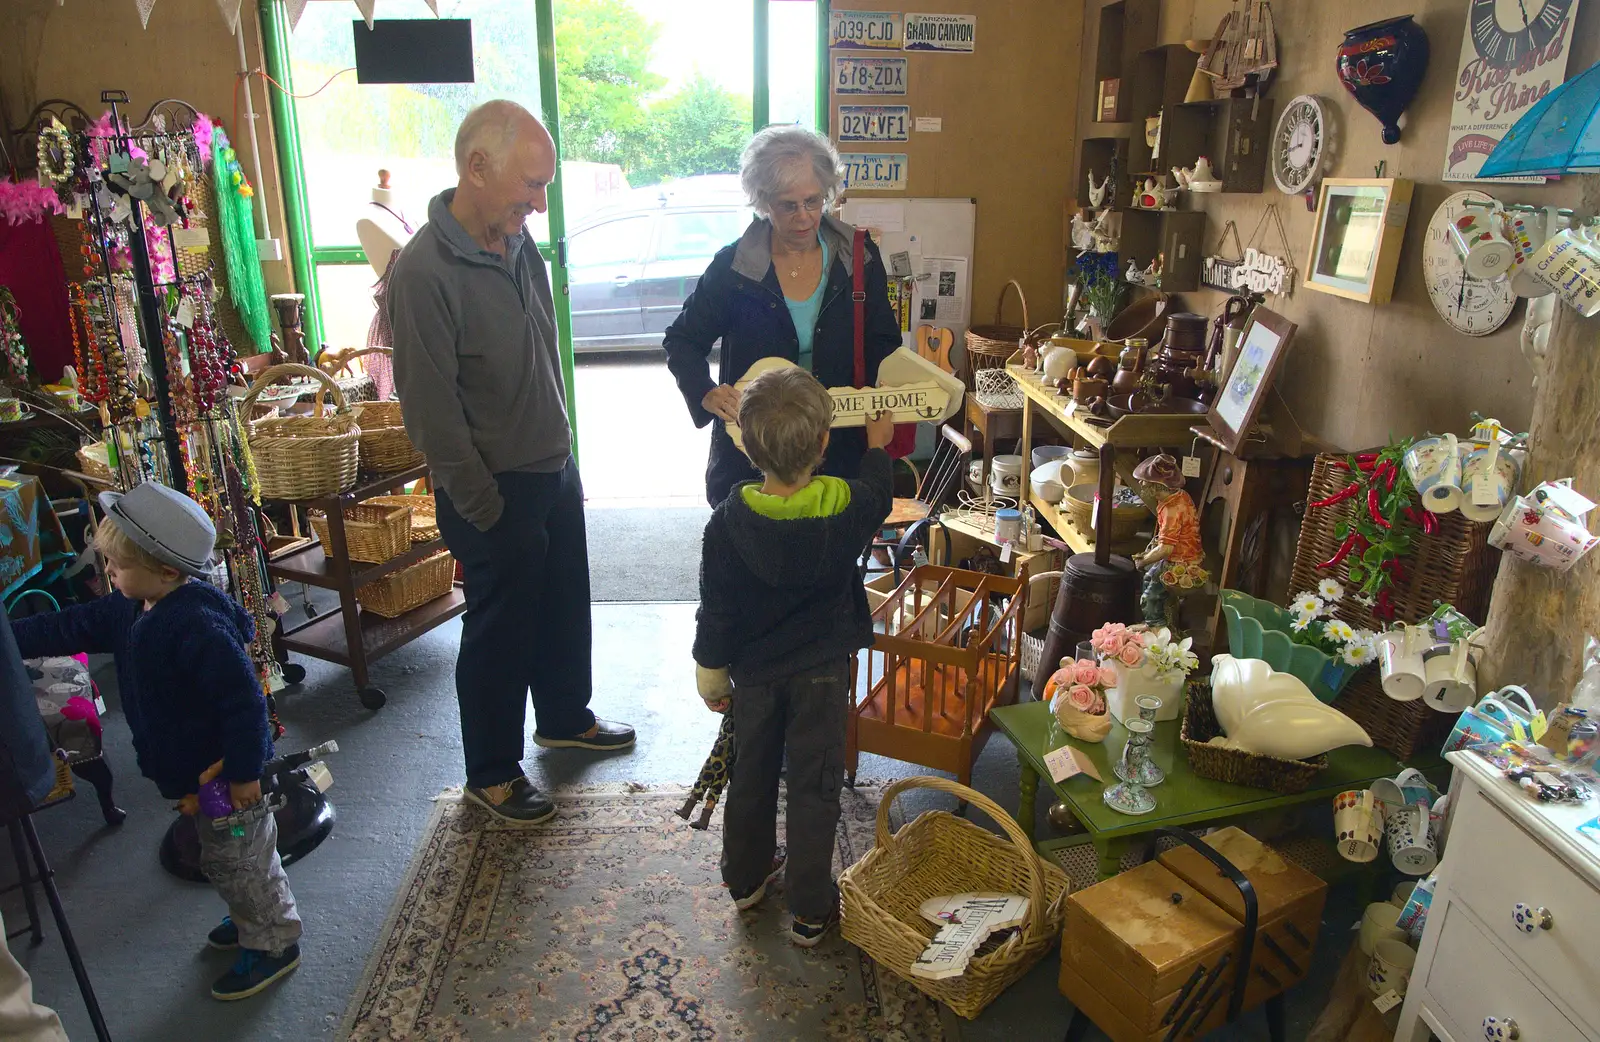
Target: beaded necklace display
18, 369
54, 152
86, 347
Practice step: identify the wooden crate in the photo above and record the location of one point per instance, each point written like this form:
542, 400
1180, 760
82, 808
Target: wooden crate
1138, 948
947, 650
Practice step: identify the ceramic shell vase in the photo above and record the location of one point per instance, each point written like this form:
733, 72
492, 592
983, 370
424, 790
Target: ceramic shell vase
1382, 65
1273, 714
1259, 629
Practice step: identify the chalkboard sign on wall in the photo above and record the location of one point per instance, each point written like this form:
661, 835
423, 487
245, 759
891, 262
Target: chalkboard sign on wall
414, 50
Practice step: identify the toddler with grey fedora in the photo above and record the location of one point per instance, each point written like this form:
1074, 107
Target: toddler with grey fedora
195, 706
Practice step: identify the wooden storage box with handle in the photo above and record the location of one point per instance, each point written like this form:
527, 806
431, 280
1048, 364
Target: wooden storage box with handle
1156, 953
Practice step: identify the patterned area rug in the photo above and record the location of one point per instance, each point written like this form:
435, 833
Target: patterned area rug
611, 924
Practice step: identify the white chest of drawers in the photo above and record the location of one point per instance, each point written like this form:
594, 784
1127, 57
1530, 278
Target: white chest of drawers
1514, 930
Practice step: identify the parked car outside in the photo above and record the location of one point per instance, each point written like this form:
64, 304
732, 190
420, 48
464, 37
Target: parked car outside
631, 264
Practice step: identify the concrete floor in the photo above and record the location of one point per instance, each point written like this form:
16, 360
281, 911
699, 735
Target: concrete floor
619, 398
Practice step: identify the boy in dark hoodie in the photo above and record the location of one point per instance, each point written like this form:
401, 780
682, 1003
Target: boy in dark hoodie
782, 615
195, 707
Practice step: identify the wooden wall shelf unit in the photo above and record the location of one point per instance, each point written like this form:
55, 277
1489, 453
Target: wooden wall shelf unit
1178, 235
1121, 30
1233, 133
347, 636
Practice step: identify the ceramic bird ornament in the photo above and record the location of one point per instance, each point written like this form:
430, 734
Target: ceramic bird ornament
1097, 193
1274, 714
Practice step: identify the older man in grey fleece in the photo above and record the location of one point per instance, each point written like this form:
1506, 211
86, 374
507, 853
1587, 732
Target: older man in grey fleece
479, 377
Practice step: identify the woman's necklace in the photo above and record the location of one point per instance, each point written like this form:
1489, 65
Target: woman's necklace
794, 262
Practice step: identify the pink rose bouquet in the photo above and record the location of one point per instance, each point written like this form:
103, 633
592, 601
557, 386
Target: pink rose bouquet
1076, 693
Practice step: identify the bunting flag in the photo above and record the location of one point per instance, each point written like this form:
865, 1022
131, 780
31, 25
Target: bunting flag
230, 14
144, 11
230, 11
433, 5
366, 7
296, 8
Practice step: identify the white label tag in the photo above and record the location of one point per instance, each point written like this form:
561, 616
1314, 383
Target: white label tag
1005, 553
930, 124
191, 238
1387, 1001
1191, 466
185, 315
1067, 762
1071, 407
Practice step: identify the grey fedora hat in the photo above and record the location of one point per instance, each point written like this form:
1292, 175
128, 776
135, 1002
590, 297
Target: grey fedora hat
173, 528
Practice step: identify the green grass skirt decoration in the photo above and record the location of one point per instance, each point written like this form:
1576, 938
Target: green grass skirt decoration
236, 222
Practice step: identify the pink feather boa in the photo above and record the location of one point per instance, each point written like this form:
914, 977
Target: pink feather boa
27, 201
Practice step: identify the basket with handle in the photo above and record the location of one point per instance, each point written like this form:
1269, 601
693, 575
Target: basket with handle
424, 514
303, 457
988, 346
385, 447
939, 854
373, 533
357, 386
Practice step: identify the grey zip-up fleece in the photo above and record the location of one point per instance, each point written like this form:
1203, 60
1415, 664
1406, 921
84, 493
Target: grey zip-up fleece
475, 361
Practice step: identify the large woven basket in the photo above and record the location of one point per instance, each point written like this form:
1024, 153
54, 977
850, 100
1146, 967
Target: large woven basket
988, 346
1234, 765
1125, 520
1455, 565
940, 854
304, 457
410, 587
372, 533
385, 448
1403, 728
424, 514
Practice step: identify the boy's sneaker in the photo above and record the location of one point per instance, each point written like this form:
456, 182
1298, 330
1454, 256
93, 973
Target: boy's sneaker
808, 933
254, 972
225, 936
748, 901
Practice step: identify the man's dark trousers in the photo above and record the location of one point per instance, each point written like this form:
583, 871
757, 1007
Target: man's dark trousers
527, 624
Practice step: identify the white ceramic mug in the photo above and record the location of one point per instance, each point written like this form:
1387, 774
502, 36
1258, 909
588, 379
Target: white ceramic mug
1402, 894
1451, 675
1411, 846
1434, 465
1378, 923
1479, 238
1390, 969
1569, 263
1400, 662
1527, 232
1408, 787
1358, 825
1488, 481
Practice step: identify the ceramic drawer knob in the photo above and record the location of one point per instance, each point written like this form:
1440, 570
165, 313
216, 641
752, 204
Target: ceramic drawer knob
1500, 1029
1529, 918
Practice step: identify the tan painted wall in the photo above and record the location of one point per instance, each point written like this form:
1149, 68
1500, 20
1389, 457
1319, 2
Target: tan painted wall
76, 50
1359, 374
1007, 138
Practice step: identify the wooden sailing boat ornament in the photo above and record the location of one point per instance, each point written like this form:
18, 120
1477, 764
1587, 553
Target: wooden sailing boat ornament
1243, 53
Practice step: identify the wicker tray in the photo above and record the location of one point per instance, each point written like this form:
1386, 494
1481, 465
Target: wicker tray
988, 346
385, 448
1232, 765
372, 533
424, 514
1403, 728
939, 853
410, 587
303, 457
1125, 521
1455, 565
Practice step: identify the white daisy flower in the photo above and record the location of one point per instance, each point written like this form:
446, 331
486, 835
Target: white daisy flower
1300, 622
1308, 605
1357, 654
1330, 590
1339, 630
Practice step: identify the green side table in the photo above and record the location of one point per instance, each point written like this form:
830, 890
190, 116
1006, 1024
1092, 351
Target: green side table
1184, 798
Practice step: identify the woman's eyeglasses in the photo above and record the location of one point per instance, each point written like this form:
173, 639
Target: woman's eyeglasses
789, 208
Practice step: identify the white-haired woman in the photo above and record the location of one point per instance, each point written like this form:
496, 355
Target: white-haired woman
783, 289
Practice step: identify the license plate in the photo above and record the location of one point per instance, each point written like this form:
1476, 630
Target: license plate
865, 30
941, 32
869, 75
874, 122
880, 171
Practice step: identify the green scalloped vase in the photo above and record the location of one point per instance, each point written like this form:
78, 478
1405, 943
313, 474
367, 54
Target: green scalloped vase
1260, 629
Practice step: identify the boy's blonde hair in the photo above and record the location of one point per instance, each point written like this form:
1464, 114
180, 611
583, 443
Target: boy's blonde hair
114, 543
783, 416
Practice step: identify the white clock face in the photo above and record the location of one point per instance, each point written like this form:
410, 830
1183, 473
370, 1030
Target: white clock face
1471, 306
1299, 144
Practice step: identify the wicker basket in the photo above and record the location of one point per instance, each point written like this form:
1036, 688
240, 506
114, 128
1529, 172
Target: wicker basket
304, 457
95, 460
410, 587
424, 514
1455, 565
1125, 521
385, 448
939, 854
988, 346
1403, 728
1233, 765
372, 533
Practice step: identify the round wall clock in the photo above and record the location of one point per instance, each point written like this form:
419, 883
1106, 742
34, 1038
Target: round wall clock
1299, 145
1504, 32
1471, 306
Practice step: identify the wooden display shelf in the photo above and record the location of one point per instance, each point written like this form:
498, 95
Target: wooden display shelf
312, 566
325, 637
1081, 541
1137, 431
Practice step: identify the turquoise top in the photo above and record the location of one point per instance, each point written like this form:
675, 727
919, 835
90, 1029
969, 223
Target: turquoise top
804, 312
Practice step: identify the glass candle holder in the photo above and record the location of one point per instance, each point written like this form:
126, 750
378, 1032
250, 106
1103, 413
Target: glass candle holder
1129, 796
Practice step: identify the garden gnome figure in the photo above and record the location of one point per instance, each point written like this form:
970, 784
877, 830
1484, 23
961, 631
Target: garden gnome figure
1174, 562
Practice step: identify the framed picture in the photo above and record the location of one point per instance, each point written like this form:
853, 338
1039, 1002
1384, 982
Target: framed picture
1355, 245
1262, 344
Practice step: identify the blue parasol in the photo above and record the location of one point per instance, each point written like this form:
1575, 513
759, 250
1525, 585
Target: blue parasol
1559, 135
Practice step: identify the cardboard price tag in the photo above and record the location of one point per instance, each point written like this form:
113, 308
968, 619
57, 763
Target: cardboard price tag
1067, 762
1387, 1001
1191, 466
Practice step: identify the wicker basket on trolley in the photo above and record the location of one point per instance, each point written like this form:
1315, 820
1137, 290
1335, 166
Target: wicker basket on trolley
304, 457
939, 854
424, 514
385, 447
410, 587
373, 533
988, 346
